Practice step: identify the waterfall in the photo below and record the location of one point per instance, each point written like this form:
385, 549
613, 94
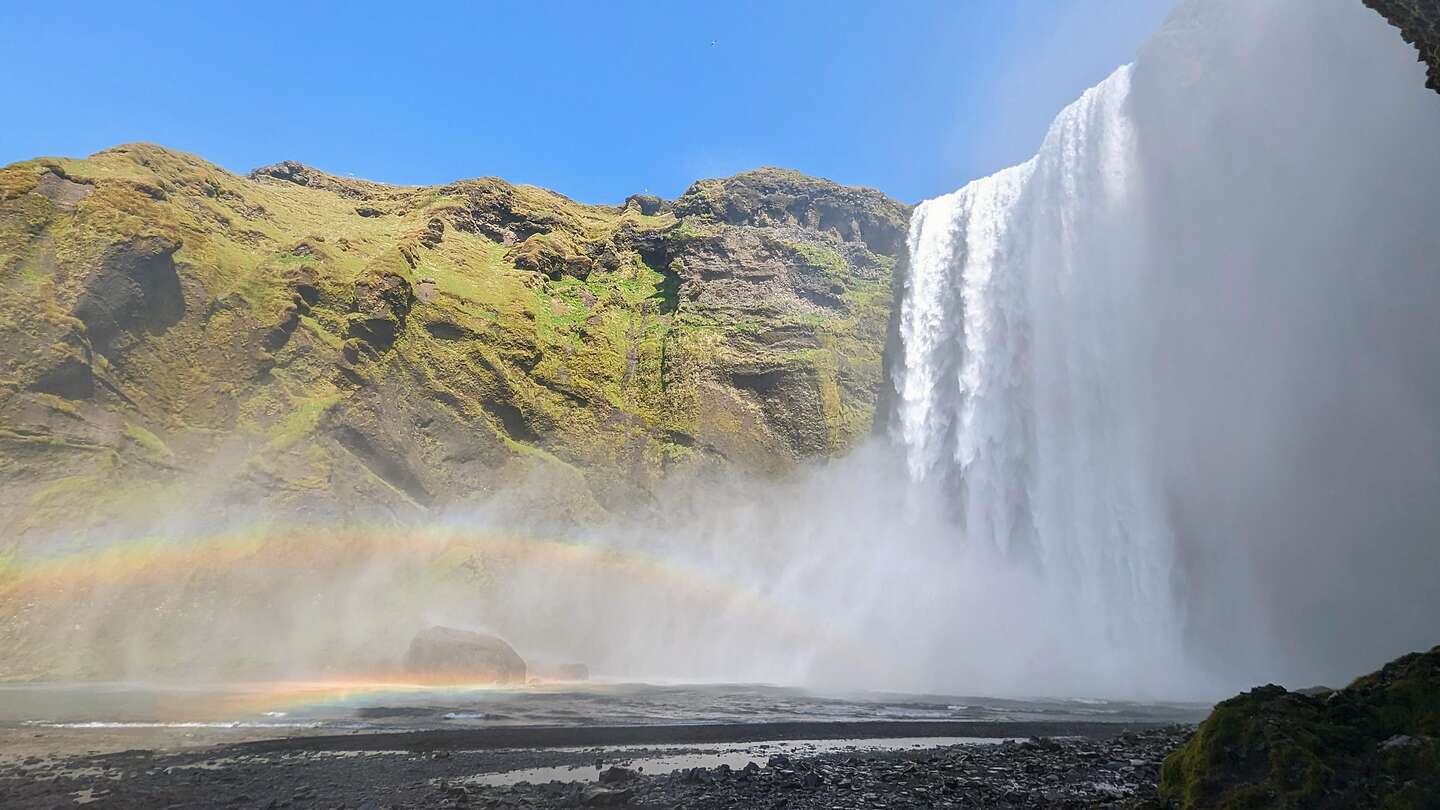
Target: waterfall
1016, 389
1174, 362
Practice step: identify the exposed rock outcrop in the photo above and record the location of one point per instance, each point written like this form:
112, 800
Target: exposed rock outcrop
290, 171
771, 197
135, 289
1375, 743
1419, 24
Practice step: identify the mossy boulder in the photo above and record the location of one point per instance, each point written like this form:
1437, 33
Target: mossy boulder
1375, 743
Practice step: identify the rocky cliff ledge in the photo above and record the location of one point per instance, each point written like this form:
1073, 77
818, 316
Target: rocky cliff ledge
174, 336
1419, 24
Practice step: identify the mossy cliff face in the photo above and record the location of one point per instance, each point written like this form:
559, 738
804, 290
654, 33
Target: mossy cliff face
176, 337
1419, 24
1375, 743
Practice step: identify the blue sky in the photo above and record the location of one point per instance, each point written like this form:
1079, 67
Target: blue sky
597, 100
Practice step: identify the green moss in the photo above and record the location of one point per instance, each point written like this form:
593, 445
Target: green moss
601, 374
318, 330
301, 421
149, 441
109, 489
824, 259
1269, 748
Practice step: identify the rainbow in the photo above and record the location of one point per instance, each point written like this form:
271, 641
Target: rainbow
158, 556
46, 580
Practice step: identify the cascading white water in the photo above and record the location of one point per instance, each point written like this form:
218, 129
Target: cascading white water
1017, 389
1172, 364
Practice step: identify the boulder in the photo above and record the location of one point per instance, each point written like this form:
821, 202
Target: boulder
616, 775
448, 652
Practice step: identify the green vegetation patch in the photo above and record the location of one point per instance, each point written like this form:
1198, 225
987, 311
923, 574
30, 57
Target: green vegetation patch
1372, 744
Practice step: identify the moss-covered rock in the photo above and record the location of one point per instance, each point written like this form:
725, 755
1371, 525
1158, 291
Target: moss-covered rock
778, 197
1375, 744
296, 340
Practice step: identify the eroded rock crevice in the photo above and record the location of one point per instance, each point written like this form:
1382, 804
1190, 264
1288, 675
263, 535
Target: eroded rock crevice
136, 289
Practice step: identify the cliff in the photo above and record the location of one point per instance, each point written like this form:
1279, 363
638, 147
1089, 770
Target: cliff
1419, 24
179, 338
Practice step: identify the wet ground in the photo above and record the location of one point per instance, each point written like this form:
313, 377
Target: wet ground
292, 707
386, 746
1105, 768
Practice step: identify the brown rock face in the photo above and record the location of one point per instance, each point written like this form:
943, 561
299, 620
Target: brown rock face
450, 653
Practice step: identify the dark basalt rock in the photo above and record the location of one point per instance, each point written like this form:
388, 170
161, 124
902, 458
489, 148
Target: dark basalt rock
71, 378
780, 197
649, 204
1419, 24
289, 171
616, 775
553, 258
434, 233
494, 208
382, 303
136, 289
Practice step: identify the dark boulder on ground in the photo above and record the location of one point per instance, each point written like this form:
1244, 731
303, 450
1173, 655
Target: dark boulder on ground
450, 653
1375, 743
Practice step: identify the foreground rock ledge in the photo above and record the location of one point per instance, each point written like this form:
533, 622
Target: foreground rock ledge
1371, 744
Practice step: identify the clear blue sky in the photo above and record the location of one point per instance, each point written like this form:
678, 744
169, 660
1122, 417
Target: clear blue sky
594, 99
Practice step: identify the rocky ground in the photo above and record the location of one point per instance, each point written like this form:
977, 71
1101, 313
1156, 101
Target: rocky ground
1041, 772
1114, 771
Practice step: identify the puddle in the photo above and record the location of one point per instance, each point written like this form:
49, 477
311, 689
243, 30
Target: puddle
709, 755
89, 795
